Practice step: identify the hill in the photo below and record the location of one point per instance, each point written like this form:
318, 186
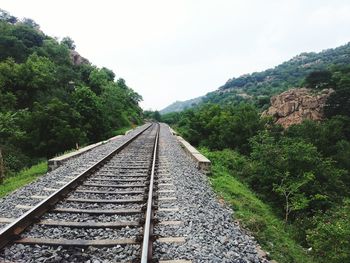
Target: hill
178, 106
51, 98
258, 87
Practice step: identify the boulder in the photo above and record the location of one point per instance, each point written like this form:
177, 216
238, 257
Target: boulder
295, 105
77, 59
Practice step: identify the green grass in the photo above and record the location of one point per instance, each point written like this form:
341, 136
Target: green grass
257, 217
121, 131
22, 178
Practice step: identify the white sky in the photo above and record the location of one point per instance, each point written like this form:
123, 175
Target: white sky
180, 49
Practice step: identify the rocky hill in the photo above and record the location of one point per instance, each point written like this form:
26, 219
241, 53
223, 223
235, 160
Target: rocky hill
259, 87
295, 105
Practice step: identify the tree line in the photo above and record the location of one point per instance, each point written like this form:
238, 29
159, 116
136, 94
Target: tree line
48, 103
302, 172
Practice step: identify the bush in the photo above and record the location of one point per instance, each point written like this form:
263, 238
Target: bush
330, 238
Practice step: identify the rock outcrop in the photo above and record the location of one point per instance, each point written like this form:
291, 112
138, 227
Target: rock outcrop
77, 59
295, 105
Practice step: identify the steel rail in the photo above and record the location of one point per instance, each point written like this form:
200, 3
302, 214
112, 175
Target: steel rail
13, 230
148, 227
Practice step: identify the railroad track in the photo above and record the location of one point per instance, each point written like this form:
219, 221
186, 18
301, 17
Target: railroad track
117, 192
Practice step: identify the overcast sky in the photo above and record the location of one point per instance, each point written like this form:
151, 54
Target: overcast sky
180, 49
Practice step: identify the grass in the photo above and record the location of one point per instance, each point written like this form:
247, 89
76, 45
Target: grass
121, 131
28, 175
257, 217
22, 178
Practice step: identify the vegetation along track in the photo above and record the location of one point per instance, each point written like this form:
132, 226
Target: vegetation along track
114, 195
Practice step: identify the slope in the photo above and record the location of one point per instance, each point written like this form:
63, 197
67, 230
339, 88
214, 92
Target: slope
258, 87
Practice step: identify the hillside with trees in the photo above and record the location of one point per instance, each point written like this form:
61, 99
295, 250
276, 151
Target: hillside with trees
258, 87
51, 98
301, 172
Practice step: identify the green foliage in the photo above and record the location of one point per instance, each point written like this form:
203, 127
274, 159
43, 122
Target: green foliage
6, 17
171, 118
319, 79
258, 87
18, 41
338, 78
221, 127
252, 212
121, 131
98, 79
68, 42
302, 173
47, 103
289, 189
57, 128
22, 178
298, 168
154, 115
339, 103
331, 137
87, 105
330, 238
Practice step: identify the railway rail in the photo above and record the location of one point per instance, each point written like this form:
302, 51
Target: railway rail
140, 198
116, 192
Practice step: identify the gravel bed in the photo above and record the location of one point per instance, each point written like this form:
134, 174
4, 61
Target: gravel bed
162, 204
105, 188
48, 254
208, 226
91, 218
99, 206
104, 196
39, 231
80, 163
141, 176
132, 184
36, 253
166, 194
168, 216
169, 230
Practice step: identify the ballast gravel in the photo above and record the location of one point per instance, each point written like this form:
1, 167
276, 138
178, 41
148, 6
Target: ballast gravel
137, 149
207, 226
70, 168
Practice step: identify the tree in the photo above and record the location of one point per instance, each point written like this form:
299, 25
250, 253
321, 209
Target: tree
330, 235
57, 128
2, 168
319, 79
87, 104
68, 42
112, 101
29, 36
156, 115
98, 79
30, 22
338, 103
294, 169
6, 17
36, 76
219, 127
109, 73
289, 188
121, 83
47, 103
